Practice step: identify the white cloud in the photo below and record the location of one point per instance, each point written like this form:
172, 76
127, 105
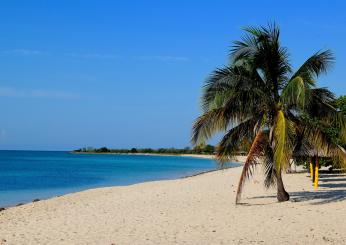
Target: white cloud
36, 93
26, 52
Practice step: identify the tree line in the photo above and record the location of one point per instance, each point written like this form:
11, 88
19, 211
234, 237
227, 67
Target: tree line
200, 149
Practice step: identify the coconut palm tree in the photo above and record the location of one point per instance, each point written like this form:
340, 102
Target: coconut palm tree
257, 98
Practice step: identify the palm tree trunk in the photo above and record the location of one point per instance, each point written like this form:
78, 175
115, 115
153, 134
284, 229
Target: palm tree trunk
282, 194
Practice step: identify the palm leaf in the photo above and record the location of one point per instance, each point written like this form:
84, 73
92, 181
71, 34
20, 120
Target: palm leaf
317, 64
319, 105
282, 134
294, 93
231, 141
226, 81
268, 166
207, 124
321, 142
252, 159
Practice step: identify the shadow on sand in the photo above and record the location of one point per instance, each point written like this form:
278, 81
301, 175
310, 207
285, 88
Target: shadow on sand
332, 188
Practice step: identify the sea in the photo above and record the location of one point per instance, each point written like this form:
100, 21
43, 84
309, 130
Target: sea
29, 175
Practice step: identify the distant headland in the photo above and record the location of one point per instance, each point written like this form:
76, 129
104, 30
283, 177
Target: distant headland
198, 150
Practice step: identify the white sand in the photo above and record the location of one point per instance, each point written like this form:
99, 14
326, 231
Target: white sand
196, 210
240, 159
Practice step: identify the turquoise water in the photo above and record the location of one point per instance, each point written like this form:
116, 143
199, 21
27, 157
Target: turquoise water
27, 175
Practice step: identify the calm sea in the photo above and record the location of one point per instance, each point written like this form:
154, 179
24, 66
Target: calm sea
27, 175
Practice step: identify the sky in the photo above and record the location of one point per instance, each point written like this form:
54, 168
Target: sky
76, 73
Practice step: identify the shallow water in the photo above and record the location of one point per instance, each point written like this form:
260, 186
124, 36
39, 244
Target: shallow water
27, 175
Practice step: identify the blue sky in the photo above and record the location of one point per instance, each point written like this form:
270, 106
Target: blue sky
129, 73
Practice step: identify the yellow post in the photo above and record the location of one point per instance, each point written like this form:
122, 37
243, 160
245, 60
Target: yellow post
316, 174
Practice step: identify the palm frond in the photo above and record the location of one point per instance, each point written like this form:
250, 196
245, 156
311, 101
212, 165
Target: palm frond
320, 105
254, 31
272, 59
268, 167
283, 146
243, 49
252, 159
208, 124
231, 141
294, 93
323, 144
338, 153
236, 107
219, 84
225, 81
317, 64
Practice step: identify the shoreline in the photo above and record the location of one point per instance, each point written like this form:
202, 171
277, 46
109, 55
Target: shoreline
196, 210
207, 156
237, 160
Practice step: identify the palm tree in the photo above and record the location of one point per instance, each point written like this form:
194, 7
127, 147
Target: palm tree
257, 98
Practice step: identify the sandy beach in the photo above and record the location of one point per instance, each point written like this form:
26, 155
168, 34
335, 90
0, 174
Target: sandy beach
195, 210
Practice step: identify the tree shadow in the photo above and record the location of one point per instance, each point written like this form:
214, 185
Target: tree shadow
331, 175
333, 185
333, 190
332, 179
319, 197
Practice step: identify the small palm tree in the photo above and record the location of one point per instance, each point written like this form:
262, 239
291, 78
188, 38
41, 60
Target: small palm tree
257, 98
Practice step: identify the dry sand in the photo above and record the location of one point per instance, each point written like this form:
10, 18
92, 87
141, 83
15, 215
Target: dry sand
196, 210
